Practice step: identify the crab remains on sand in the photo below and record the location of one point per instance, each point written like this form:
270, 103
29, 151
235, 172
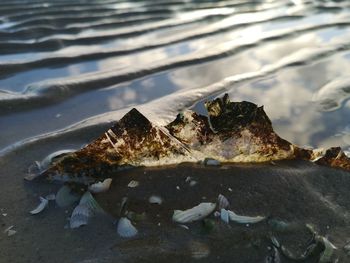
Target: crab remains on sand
233, 132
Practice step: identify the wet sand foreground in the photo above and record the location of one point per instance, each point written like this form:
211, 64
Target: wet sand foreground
288, 193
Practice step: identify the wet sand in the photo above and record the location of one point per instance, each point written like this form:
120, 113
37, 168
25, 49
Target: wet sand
295, 192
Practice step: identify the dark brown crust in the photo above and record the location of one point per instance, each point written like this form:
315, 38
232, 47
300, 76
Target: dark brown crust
335, 157
230, 118
201, 128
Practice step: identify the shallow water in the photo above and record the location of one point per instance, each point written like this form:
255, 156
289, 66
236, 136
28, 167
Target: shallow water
291, 56
70, 68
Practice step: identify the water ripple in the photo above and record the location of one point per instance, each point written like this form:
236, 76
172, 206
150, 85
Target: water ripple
90, 45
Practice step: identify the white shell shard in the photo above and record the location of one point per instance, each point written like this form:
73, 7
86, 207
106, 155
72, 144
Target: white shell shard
317, 154
43, 204
327, 253
196, 213
10, 231
224, 216
88, 200
80, 216
184, 227
123, 205
47, 161
133, 184
275, 242
217, 214
244, 219
50, 197
193, 183
223, 202
347, 247
65, 197
100, 187
125, 228
347, 153
7, 229
154, 199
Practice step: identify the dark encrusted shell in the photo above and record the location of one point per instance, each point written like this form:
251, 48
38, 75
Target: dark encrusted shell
234, 132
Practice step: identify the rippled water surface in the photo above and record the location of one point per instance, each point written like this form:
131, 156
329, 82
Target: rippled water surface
69, 68
62, 62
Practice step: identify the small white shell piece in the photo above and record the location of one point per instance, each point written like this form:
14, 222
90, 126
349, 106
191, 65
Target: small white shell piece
133, 184
196, 213
193, 183
217, 214
155, 199
82, 213
43, 204
88, 200
10, 231
223, 203
317, 154
224, 216
347, 153
65, 197
327, 253
125, 228
244, 219
80, 216
100, 187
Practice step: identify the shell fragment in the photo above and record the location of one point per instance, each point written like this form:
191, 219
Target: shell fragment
224, 216
100, 187
154, 199
80, 216
43, 204
87, 208
244, 219
88, 200
65, 197
133, 184
196, 213
326, 255
222, 202
10, 231
125, 228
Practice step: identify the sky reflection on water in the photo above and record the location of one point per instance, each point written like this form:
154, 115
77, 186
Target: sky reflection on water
290, 95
